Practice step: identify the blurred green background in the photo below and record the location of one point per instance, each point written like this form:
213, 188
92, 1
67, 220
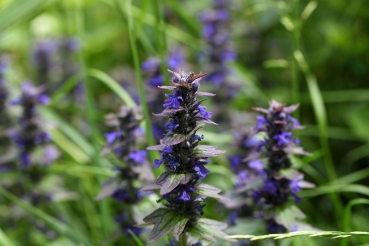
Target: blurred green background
312, 52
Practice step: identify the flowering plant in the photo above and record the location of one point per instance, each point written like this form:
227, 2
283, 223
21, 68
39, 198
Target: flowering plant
184, 160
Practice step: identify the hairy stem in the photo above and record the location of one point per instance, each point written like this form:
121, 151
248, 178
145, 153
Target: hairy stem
183, 239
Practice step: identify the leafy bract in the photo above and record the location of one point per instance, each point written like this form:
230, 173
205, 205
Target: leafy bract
207, 151
108, 188
206, 94
168, 111
209, 229
209, 191
165, 220
173, 139
287, 217
169, 181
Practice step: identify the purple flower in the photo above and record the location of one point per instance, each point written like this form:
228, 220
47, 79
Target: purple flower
152, 64
294, 185
183, 192
25, 159
157, 163
199, 167
173, 100
138, 156
257, 165
235, 161
270, 186
251, 142
156, 80
111, 136
262, 121
168, 149
261, 144
202, 111
283, 139
176, 59
171, 125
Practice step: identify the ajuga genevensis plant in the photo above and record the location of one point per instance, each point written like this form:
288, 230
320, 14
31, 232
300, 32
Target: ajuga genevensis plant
184, 159
132, 166
269, 163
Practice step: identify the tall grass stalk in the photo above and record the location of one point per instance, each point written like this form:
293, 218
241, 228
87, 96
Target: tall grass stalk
90, 109
136, 62
321, 118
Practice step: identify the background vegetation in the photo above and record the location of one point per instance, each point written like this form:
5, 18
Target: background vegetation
312, 52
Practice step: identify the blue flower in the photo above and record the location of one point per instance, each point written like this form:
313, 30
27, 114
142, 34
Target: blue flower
199, 167
235, 161
283, 138
257, 164
111, 136
173, 100
171, 125
138, 156
156, 80
202, 111
260, 125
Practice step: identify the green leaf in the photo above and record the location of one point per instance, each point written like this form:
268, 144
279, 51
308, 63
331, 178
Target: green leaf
20, 10
287, 217
165, 220
4, 240
113, 85
207, 151
173, 139
59, 227
333, 234
169, 181
209, 229
209, 191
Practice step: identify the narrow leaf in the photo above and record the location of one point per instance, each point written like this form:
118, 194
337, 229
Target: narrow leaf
173, 139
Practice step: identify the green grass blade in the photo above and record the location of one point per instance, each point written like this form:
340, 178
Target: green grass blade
4, 240
64, 89
347, 215
102, 227
113, 85
137, 240
20, 10
127, 11
53, 223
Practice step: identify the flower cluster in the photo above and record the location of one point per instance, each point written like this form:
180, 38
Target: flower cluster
151, 67
122, 141
53, 61
215, 33
4, 94
272, 158
30, 135
184, 160
248, 173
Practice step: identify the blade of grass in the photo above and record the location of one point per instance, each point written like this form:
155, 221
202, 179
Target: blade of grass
4, 240
137, 240
59, 227
127, 11
20, 10
321, 118
105, 225
64, 89
347, 216
328, 189
113, 85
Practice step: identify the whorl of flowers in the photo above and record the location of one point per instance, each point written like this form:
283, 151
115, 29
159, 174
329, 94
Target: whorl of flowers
151, 67
30, 134
133, 164
184, 161
4, 94
215, 33
247, 172
281, 183
54, 62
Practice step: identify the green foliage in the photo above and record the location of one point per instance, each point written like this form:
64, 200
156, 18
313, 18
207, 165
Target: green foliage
332, 234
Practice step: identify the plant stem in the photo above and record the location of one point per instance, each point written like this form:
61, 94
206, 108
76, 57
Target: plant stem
183, 239
136, 63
